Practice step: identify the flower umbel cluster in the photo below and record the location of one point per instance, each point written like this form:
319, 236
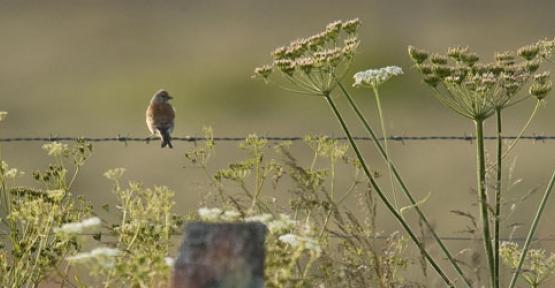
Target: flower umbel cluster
475, 89
312, 64
376, 77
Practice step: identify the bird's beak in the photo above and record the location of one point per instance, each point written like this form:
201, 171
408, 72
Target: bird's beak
170, 97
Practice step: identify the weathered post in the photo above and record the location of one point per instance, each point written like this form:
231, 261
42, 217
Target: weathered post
221, 255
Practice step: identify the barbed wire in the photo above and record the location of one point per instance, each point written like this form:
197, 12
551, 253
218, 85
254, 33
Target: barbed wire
377, 237
401, 138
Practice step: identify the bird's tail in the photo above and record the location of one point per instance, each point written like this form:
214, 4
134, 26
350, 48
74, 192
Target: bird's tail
166, 138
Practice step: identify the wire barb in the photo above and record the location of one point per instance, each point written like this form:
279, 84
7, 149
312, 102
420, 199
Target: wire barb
401, 139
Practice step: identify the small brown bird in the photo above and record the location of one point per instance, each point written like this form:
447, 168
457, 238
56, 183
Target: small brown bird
159, 117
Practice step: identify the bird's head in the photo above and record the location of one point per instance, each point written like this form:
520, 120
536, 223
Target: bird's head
161, 96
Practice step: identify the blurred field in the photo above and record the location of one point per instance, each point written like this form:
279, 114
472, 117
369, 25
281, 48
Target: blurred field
90, 67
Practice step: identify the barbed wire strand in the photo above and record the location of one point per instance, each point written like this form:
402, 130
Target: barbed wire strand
378, 237
125, 139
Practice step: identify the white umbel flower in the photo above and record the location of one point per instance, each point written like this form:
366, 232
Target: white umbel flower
301, 241
102, 255
55, 148
79, 227
262, 218
169, 261
210, 214
282, 223
376, 77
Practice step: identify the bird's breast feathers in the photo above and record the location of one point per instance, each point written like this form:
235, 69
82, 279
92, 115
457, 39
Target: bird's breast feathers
160, 114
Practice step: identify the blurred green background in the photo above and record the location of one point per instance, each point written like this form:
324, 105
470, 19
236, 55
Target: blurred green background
89, 68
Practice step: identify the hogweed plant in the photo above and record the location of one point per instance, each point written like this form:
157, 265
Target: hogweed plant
316, 65
478, 91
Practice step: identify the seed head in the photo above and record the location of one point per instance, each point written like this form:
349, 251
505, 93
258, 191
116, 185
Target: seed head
279, 53
542, 78
263, 71
540, 90
351, 26
457, 53
438, 59
442, 71
470, 58
286, 66
418, 55
332, 30
432, 80
425, 69
305, 64
506, 58
532, 66
528, 52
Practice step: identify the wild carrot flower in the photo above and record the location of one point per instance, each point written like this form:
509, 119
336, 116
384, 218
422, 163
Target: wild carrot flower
102, 255
305, 242
313, 64
55, 148
376, 77
79, 227
210, 214
262, 218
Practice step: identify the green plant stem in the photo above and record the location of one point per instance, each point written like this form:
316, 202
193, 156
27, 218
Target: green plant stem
497, 216
387, 203
404, 188
482, 197
532, 115
532, 231
384, 135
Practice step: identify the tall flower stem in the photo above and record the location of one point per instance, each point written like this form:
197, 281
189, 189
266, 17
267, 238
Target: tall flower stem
386, 201
532, 231
482, 196
384, 136
497, 216
404, 188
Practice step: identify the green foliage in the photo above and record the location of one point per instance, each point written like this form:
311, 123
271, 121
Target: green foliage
32, 252
314, 239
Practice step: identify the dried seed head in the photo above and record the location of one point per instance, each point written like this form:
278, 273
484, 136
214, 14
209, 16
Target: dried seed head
442, 71
315, 42
305, 64
417, 55
457, 52
543, 77
528, 52
425, 69
279, 53
332, 30
351, 26
532, 66
470, 58
438, 59
286, 66
539, 90
512, 87
506, 58
264, 71
432, 80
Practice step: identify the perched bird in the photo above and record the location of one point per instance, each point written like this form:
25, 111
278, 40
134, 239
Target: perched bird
159, 117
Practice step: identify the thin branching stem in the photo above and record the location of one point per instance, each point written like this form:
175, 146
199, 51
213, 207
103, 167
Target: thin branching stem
404, 188
532, 231
382, 196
